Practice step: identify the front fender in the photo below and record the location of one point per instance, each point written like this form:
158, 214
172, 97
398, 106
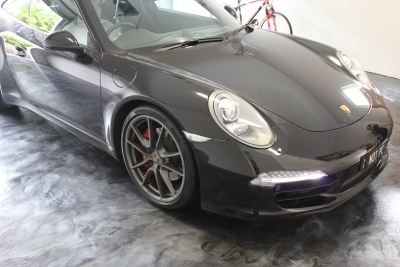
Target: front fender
329, 53
184, 99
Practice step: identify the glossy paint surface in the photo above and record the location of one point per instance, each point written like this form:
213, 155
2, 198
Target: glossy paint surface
64, 202
285, 77
62, 87
299, 88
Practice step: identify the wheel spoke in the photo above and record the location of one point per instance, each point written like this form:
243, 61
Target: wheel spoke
147, 177
159, 183
152, 135
166, 154
167, 181
139, 134
140, 148
172, 168
140, 163
160, 141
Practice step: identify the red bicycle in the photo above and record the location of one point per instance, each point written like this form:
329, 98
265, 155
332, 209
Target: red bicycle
273, 21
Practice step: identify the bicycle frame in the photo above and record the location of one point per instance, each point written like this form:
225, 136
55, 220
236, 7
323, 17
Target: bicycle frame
268, 9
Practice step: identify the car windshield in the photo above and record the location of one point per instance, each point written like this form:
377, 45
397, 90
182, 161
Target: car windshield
131, 24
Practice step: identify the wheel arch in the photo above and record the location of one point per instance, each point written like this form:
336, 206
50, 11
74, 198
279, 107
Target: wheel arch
123, 109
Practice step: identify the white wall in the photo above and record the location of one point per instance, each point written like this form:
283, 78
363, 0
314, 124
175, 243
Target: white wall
367, 30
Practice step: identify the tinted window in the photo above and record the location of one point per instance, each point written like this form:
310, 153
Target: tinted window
190, 7
34, 13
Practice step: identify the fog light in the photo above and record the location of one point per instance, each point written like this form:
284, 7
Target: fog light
270, 179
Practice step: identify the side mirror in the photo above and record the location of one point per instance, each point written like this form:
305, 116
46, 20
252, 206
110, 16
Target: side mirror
65, 41
230, 10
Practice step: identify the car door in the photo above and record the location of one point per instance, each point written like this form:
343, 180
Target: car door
52, 80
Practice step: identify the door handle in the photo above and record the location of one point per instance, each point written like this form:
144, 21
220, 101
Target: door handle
20, 51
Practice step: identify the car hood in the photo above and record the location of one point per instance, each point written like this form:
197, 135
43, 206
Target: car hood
277, 73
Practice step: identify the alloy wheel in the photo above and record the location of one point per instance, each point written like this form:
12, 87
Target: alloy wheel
154, 159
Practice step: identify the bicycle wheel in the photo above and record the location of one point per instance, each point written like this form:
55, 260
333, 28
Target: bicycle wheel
281, 22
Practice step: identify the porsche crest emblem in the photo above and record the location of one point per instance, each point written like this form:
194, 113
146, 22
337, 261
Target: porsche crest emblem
155, 158
345, 109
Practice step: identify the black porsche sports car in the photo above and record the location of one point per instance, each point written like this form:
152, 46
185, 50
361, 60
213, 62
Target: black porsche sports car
249, 122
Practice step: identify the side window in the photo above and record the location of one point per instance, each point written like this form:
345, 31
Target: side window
42, 17
190, 7
34, 13
19, 9
49, 15
74, 23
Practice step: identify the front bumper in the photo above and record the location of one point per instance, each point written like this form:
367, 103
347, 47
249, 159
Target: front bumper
231, 194
227, 167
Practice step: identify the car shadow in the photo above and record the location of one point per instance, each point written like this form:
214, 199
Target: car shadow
310, 235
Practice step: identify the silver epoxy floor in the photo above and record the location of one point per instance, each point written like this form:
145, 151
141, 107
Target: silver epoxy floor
66, 203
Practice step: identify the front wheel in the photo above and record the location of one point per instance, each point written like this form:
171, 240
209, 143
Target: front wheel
277, 22
159, 159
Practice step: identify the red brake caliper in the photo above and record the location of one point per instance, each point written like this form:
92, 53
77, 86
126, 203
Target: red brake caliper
146, 135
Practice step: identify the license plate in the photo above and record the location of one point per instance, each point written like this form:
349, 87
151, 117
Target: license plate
373, 156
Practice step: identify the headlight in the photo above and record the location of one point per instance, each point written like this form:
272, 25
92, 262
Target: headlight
240, 119
357, 71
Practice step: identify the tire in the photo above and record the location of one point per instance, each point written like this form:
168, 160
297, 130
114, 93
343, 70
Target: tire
159, 158
282, 23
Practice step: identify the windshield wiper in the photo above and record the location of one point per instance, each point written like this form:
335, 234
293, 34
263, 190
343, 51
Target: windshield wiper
246, 27
190, 43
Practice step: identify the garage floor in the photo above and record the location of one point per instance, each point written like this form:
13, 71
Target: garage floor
66, 203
